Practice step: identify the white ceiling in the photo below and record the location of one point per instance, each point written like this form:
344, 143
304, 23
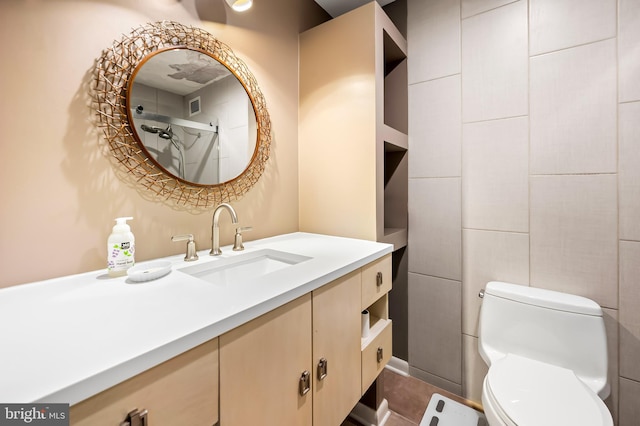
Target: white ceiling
338, 7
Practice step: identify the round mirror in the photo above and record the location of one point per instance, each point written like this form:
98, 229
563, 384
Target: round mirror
192, 116
182, 115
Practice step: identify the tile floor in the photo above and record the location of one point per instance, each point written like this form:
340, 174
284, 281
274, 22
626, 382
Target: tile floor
408, 398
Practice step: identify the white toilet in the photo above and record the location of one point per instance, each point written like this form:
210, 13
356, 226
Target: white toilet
547, 358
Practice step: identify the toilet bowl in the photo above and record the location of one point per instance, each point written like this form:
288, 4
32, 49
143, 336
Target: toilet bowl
547, 358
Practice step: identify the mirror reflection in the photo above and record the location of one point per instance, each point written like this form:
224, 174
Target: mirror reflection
192, 116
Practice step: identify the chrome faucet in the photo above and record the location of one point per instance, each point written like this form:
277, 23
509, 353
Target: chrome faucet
215, 229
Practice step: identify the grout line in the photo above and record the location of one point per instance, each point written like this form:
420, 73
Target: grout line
529, 181
433, 79
461, 200
616, 404
435, 276
537, 55
574, 174
434, 177
488, 10
629, 102
496, 119
497, 230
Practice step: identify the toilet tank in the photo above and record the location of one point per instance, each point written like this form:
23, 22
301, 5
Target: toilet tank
548, 326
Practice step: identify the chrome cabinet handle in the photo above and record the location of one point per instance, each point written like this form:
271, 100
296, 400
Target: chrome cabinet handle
322, 368
380, 354
304, 385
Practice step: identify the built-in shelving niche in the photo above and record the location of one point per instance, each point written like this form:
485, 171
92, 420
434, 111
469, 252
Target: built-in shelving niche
396, 172
396, 179
394, 133
396, 105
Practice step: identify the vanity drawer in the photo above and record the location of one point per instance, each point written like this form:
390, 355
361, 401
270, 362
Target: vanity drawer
180, 391
376, 355
376, 280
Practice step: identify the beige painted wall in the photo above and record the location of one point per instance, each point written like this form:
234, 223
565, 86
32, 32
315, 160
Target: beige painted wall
59, 192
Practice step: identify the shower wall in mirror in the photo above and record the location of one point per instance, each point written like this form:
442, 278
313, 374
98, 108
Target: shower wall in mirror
193, 116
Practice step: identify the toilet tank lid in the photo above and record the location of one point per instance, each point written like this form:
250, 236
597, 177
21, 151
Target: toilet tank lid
544, 298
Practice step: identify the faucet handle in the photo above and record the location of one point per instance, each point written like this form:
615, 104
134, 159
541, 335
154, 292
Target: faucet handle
237, 244
191, 246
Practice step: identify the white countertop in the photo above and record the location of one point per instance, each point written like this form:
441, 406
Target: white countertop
66, 339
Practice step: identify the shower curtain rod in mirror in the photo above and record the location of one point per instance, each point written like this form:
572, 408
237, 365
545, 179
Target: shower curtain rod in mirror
138, 112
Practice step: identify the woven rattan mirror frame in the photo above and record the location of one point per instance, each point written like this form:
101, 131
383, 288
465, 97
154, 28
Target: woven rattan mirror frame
109, 98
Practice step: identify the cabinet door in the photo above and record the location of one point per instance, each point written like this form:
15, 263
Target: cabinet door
261, 364
181, 391
336, 339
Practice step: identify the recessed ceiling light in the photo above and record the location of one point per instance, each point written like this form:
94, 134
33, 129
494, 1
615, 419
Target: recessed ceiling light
240, 5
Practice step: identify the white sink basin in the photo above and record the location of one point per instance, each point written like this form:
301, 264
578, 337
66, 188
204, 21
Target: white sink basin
244, 267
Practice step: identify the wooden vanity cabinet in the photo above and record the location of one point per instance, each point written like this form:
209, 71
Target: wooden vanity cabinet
262, 363
377, 347
180, 391
336, 339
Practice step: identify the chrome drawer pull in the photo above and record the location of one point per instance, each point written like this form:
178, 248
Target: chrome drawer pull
380, 354
322, 368
305, 383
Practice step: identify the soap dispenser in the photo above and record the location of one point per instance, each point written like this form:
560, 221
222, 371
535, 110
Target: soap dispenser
120, 248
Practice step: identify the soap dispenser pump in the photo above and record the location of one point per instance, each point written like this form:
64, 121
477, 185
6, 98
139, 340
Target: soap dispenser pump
120, 248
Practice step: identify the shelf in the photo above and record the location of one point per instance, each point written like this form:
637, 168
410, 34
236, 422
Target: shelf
394, 139
395, 236
377, 326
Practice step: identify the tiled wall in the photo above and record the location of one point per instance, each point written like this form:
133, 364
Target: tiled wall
524, 133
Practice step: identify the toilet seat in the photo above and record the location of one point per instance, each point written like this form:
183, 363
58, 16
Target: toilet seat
525, 392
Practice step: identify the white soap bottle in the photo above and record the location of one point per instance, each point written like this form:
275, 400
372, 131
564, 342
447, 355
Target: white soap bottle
120, 248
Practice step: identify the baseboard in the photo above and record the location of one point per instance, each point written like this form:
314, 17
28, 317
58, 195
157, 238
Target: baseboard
398, 366
370, 417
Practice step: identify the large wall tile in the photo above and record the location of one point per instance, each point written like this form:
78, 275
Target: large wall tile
434, 128
629, 407
495, 64
558, 24
629, 170
573, 110
629, 312
474, 369
495, 178
629, 50
490, 256
433, 39
436, 229
435, 343
574, 236
473, 7
432, 379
